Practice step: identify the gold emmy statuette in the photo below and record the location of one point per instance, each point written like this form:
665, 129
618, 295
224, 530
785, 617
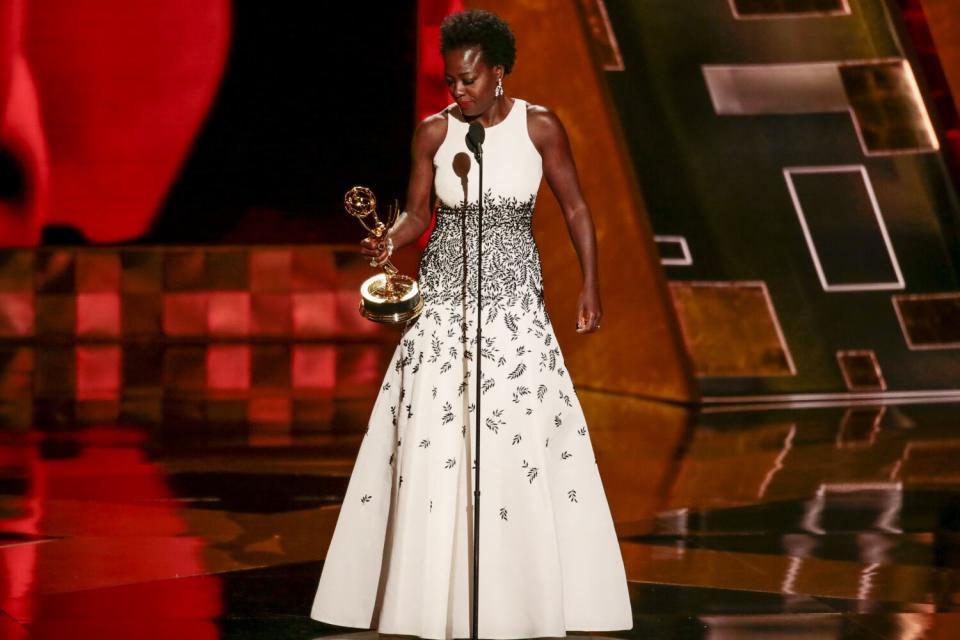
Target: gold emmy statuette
388, 297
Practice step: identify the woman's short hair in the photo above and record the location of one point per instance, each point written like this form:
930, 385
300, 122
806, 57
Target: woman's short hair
476, 27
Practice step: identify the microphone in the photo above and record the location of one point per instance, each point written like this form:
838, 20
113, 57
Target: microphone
475, 137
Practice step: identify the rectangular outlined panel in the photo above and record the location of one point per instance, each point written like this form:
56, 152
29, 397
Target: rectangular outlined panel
780, 9
929, 320
861, 371
676, 255
843, 228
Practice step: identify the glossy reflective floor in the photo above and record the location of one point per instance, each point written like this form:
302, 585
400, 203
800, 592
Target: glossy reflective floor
181, 505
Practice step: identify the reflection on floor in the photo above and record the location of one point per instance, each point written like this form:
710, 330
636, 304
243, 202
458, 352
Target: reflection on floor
197, 501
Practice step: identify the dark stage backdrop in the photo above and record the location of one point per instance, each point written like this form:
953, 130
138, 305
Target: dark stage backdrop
316, 97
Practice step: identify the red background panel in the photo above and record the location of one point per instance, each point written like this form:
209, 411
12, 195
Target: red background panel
122, 87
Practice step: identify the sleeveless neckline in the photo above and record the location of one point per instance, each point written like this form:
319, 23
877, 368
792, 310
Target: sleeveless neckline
509, 115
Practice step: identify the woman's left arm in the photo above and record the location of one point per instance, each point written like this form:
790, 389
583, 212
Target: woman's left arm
550, 138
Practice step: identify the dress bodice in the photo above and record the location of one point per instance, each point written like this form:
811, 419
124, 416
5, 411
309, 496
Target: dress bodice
512, 166
512, 170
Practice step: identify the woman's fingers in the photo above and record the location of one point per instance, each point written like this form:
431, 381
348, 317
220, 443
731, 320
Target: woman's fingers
587, 321
374, 250
368, 246
582, 319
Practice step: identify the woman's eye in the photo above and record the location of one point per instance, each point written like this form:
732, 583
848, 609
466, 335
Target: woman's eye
469, 81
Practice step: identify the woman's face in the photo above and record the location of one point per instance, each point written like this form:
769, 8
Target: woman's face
471, 82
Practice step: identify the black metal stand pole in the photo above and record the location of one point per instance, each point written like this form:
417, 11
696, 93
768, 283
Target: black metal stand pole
476, 475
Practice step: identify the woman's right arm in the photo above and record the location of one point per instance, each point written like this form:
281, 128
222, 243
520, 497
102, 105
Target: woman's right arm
415, 218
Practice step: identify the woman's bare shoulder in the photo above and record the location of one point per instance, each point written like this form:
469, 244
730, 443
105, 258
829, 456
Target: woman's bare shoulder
431, 130
544, 125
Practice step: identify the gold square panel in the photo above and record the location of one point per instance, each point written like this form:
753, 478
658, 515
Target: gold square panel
731, 329
929, 320
887, 107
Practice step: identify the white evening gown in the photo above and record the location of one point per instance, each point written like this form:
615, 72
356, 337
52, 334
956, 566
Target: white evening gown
400, 558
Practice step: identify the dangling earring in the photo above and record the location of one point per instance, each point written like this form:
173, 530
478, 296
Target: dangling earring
499, 91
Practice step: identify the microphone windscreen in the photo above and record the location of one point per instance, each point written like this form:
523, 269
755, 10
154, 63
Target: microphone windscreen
477, 132
475, 136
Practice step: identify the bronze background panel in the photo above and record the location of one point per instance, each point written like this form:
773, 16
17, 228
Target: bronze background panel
601, 34
729, 329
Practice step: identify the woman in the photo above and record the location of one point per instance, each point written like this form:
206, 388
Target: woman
400, 557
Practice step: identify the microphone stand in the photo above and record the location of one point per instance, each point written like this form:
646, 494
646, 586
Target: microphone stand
475, 139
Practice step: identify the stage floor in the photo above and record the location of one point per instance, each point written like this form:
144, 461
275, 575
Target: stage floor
197, 502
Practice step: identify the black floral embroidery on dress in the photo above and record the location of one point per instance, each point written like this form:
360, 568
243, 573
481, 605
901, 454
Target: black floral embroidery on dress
365, 499
511, 262
487, 384
496, 420
566, 454
582, 431
516, 438
519, 392
572, 495
424, 443
503, 513
450, 463
532, 474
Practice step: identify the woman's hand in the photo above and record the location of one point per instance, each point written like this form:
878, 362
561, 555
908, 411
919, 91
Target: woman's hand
375, 249
588, 310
